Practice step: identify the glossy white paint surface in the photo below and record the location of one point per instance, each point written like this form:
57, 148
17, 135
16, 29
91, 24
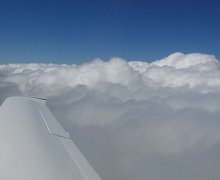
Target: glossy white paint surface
35, 147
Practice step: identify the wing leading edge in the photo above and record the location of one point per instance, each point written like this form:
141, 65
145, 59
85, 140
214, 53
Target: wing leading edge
35, 146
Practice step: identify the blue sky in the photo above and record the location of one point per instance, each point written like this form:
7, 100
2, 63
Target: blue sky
79, 31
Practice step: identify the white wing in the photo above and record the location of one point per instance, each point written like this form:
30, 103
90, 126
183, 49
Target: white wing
34, 146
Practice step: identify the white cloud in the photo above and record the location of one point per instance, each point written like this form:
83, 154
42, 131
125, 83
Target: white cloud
133, 120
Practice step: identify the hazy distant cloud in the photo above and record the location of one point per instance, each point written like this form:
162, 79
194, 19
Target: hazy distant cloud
133, 120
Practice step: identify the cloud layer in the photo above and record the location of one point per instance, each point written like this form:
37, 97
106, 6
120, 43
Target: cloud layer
133, 120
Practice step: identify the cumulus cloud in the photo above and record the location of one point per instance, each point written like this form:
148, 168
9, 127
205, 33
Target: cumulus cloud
133, 120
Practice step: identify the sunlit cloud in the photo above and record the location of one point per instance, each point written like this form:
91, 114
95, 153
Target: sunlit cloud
133, 120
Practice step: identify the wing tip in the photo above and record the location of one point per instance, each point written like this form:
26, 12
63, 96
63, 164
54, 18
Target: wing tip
37, 97
22, 97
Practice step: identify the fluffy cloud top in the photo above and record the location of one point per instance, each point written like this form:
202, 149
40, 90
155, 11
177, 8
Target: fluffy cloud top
133, 120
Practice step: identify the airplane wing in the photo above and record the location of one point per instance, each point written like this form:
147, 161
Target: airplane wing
34, 146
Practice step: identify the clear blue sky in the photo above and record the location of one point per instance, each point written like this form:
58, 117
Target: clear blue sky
65, 31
